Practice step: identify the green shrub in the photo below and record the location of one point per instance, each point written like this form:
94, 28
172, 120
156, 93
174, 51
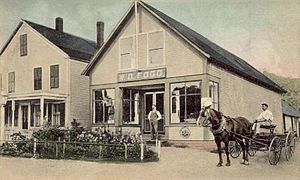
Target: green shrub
79, 144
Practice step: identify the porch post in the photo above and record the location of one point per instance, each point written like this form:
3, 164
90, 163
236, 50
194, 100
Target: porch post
67, 112
42, 111
29, 116
13, 107
2, 114
19, 117
3, 101
167, 118
205, 93
118, 107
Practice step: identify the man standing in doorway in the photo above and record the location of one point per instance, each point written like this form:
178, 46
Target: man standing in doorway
154, 116
265, 118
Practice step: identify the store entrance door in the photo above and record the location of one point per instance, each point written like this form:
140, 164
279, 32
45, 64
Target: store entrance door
156, 98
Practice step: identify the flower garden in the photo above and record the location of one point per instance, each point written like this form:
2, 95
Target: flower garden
78, 144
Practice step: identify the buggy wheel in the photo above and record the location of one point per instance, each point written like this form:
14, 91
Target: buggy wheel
274, 150
290, 142
235, 149
252, 148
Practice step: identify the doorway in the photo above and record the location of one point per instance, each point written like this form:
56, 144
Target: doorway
156, 98
24, 117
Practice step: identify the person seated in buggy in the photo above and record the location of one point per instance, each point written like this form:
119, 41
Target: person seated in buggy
264, 119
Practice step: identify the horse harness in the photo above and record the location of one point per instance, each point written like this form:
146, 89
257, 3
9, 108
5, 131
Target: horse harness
221, 127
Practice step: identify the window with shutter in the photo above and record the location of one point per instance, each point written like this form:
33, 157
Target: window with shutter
37, 78
23, 45
54, 76
11, 82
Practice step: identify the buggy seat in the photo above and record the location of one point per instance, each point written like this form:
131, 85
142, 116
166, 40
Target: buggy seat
271, 127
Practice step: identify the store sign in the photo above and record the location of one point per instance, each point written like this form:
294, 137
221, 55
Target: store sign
142, 75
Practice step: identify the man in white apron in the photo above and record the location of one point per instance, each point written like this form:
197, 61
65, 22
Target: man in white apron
153, 116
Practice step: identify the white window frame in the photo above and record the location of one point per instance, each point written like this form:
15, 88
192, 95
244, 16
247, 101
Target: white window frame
164, 50
136, 108
133, 63
216, 100
172, 121
94, 106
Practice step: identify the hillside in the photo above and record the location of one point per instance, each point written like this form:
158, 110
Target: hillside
291, 85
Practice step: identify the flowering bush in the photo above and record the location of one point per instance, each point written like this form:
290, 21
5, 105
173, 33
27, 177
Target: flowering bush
77, 143
18, 148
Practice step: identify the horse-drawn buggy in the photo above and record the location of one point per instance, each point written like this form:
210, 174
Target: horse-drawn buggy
237, 135
270, 142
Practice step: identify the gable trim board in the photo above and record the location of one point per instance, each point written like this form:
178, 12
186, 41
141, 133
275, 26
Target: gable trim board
214, 53
50, 35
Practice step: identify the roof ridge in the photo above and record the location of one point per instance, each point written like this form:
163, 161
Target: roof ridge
63, 32
221, 55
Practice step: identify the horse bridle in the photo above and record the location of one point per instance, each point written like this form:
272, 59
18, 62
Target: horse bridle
207, 122
206, 115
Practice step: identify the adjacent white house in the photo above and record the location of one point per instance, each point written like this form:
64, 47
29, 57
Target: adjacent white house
150, 58
40, 78
291, 118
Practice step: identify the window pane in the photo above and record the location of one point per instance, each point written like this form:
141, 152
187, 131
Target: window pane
37, 115
126, 61
98, 95
214, 94
99, 112
104, 106
37, 78
130, 106
16, 115
62, 114
11, 82
109, 93
31, 115
193, 106
156, 40
23, 44
178, 89
185, 101
182, 108
54, 76
126, 111
193, 87
155, 56
126, 45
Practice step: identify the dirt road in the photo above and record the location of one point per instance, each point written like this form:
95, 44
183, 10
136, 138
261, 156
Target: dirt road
175, 163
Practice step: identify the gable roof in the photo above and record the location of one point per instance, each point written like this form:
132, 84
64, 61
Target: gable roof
289, 110
216, 54
76, 47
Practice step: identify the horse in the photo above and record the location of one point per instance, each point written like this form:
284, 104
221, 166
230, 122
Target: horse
226, 129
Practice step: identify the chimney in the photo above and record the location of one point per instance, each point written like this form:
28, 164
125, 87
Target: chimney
100, 33
59, 25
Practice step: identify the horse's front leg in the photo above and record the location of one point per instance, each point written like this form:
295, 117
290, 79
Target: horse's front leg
220, 153
227, 153
245, 155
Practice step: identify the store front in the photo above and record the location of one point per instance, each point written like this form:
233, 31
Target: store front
125, 105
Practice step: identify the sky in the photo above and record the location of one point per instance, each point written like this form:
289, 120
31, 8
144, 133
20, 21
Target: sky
265, 33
